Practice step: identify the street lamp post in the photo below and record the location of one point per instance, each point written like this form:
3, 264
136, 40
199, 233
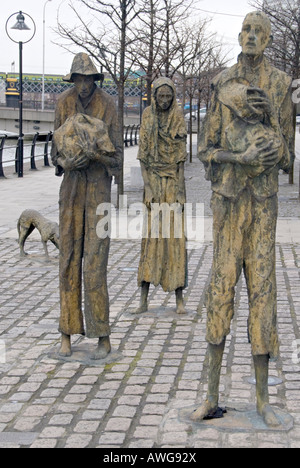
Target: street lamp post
20, 26
44, 50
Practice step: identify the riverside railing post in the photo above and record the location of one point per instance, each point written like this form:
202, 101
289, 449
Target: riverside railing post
32, 157
3, 138
46, 149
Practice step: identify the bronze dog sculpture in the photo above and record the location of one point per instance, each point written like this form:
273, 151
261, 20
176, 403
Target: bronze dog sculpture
31, 220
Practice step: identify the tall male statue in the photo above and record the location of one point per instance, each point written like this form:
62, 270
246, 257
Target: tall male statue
247, 138
88, 159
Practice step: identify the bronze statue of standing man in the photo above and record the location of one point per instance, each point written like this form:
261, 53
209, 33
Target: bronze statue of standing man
247, 138
86, 185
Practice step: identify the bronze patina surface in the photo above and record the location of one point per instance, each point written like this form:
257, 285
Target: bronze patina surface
85, 186
247, 138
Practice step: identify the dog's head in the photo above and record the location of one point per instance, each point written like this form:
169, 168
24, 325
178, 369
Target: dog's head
54, 238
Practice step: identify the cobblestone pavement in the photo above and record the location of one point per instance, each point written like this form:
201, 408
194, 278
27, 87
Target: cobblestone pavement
158, 366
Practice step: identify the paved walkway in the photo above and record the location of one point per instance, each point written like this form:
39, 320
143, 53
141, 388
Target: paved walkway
158, 367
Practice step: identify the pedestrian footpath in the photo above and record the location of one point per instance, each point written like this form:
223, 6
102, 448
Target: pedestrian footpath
157, 373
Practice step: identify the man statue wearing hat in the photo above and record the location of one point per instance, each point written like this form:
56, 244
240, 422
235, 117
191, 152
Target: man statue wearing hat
88, 161
247, 138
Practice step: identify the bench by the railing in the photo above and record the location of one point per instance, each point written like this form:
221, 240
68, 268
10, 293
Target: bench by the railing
131, 137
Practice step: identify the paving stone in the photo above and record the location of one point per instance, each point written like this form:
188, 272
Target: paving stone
78, 441
61, 420
124, 411
18, 438
118, 424
112, 438
53, 432
87, 427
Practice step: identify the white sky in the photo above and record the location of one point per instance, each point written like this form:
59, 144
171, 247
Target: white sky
58, 61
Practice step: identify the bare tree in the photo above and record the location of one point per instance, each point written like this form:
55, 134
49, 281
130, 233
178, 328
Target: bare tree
106, 38
199, 53
151, 34
156, 46
285, 19
175, 15
148, 32
168, 43
285, 51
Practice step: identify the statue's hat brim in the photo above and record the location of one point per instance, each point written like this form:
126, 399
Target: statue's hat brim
83, 65
69, 78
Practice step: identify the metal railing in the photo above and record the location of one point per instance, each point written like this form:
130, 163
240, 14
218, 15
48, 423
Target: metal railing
37, 146
31, 143
131, 135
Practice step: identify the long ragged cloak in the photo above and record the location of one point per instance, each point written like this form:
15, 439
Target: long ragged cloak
162, 150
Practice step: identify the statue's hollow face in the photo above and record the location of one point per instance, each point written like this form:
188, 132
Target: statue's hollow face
256, 35
84, 85
164, 97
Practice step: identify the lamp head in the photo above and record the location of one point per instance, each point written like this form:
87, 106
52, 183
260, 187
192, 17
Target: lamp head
20, 24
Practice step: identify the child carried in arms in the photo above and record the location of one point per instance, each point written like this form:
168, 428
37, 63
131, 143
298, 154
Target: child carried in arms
250, 124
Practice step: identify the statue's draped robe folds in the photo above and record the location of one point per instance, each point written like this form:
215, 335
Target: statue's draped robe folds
82, 253
162, 149
245, 207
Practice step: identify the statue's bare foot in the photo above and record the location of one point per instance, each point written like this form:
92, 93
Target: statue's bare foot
180, 309
103, 349
205, 410
140, 310
65, 348
269, 416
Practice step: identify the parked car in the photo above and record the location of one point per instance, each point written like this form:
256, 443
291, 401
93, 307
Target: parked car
202, 113
195, 114
187, 108
187, 116
298, 120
